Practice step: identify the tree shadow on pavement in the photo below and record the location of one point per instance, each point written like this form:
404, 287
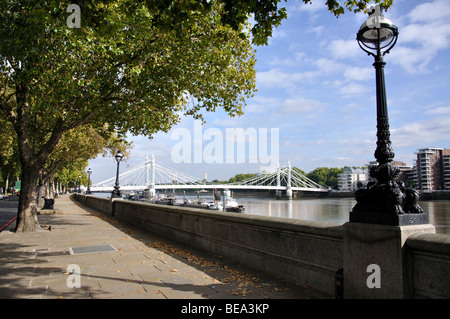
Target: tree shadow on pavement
232, 278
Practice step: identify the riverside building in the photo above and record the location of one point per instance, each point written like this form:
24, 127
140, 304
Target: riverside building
433, 169
352, 179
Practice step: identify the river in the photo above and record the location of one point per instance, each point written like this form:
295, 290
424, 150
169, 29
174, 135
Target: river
333, 210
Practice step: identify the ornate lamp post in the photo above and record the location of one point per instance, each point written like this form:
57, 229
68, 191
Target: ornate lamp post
385, 201
116, 192
89, 172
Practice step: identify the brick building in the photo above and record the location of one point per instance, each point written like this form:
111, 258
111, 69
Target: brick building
433, 169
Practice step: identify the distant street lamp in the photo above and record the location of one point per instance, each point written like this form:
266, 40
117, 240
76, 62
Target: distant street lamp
116, 192
89, 172
384, 201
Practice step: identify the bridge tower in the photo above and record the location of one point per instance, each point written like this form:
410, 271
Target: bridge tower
147, 167
278, 191
289, 186
151, 185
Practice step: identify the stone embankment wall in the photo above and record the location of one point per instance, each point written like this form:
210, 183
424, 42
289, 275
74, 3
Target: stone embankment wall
304, 251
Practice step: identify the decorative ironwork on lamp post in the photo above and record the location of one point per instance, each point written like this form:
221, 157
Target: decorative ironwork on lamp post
116, 192
384, 201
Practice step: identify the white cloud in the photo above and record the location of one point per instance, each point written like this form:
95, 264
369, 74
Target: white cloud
277, 34
344, 49
316, 30
351, 108
427, 33
276, 78
431, 11
412, 60
359, 74
424, 132
442, 110
353, 89
324, 68
357, 146
313, 9
310, 108
327, 66
295, 60
262, 105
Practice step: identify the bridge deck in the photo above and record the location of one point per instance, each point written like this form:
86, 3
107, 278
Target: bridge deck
218, 186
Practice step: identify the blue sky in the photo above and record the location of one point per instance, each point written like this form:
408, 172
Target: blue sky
317, 88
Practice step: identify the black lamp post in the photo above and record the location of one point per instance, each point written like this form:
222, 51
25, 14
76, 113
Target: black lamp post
116, 192
79, 183
89, 172
384, 201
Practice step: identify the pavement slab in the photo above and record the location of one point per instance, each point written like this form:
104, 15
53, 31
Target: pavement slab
143, 266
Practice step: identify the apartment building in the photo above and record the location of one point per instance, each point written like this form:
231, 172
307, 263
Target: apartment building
352, 179
433, 169
432, 172
406, 171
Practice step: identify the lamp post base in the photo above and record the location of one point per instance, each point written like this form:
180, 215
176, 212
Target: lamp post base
116, 193
389, 219
375, 260
386, 201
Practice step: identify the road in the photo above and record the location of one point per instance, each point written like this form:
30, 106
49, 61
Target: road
8, 210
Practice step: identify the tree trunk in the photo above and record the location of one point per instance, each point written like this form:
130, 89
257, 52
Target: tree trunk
32, 160
27, 220
6, 184
41, 190
51, 188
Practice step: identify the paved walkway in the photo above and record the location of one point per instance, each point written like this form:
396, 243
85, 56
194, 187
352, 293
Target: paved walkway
39, 265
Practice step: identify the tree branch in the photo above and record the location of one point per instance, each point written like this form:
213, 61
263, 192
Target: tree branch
48, 147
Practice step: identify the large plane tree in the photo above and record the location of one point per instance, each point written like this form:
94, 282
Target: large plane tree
125, 65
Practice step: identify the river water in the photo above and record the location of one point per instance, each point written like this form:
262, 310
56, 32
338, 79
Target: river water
333, 210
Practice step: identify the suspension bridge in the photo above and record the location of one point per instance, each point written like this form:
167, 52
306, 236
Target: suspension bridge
153, 175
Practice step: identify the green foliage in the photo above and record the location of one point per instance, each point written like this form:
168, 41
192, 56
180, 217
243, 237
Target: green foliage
76, 147
299, 170
240, 177
235, 178
132, 66
268, 15
325, 176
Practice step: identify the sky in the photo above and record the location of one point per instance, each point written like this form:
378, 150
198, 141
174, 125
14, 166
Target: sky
315, 105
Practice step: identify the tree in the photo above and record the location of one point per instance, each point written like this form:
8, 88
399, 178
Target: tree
298, 170
132, 66
76, 147
9, 159
325, 176
267, 15
241, 177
